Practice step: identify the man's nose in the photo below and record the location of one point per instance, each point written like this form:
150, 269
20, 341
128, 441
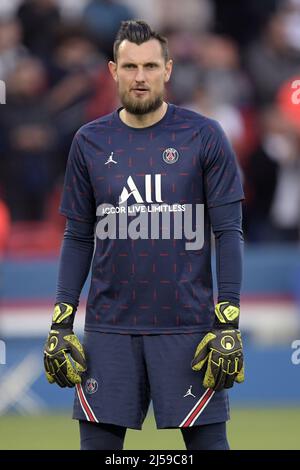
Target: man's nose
140, 75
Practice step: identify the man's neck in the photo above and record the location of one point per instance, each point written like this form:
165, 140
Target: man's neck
143, 120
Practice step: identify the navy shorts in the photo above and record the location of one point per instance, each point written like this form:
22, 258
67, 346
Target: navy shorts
126, 372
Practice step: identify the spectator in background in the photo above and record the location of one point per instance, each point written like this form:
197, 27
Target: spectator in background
273, 175
175, 15
209, 79
79, 82
190, 15
102, 18
219, 62
252, 17
186, 75
11, 48
29, 147
273, 58
71, 10
229, 116
150, 10
39, 20
285, 212
212, 60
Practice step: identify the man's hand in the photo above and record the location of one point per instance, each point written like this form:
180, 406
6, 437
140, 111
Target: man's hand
221, 350
64, 358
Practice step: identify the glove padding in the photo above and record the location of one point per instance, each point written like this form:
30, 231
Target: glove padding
222, 353
59, 367
60, 344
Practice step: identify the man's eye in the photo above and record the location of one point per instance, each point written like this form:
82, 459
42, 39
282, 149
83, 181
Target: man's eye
129, 66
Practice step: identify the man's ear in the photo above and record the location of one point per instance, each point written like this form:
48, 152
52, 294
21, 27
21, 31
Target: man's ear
168, 70
112, 67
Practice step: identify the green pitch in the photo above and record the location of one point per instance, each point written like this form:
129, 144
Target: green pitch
276, 428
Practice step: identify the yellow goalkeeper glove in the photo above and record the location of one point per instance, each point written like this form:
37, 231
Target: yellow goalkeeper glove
221, 350
64, 358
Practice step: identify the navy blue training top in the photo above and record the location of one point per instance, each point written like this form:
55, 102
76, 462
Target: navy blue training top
148, 191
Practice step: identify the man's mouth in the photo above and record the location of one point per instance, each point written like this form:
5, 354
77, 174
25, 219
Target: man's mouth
140, 89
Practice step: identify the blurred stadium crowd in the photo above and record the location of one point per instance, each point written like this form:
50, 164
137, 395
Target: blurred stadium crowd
234, 61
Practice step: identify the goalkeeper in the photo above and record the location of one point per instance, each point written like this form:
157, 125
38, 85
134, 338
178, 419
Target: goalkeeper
152, 331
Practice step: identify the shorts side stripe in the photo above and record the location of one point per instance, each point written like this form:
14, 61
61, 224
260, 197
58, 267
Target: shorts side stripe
90, 416
197, 409
208, 398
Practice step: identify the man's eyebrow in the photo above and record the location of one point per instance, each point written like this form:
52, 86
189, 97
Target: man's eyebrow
125, 64
128, 63
151, 63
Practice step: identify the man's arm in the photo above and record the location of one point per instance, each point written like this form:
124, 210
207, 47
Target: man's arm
78, 205
221, 349
226, 222
75, 259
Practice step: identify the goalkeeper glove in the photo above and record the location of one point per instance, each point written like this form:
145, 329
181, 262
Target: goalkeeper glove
61, 346
221, 350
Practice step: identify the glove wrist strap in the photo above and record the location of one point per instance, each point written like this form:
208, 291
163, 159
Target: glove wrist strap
226, 315
63, 316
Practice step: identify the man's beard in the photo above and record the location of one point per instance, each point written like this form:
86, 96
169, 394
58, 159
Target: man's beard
140, 107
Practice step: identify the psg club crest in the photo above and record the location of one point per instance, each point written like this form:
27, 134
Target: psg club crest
91, 386
170, 155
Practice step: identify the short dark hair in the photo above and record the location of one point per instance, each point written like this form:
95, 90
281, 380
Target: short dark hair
139, 31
